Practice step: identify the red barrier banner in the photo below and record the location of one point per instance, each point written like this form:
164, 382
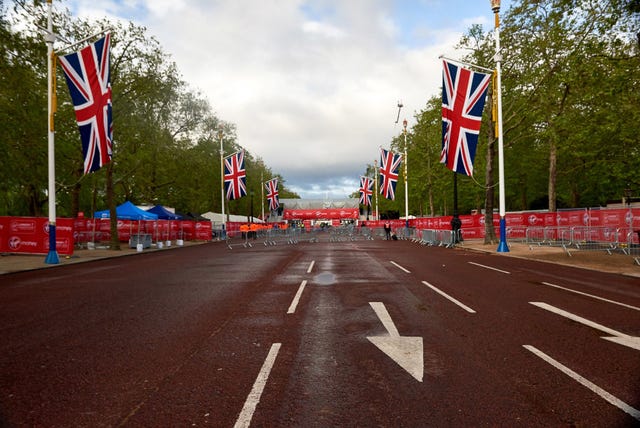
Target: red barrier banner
203, 231
31, 235
320, 214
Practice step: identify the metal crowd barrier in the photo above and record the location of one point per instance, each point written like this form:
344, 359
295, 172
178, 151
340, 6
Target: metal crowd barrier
587, 238
439, 238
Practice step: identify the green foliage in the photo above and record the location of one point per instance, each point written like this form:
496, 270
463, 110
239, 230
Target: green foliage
166, 136
571, 87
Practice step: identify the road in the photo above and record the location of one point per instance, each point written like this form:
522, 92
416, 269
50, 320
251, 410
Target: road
363, 333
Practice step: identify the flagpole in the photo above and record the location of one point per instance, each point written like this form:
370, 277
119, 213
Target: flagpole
406, 174
375, 175
50, 37
502, 246
262, 193
222, 184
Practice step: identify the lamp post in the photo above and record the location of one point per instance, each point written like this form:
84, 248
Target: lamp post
502, 246
50, 37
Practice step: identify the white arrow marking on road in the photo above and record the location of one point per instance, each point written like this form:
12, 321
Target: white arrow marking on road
404, 350
617, 337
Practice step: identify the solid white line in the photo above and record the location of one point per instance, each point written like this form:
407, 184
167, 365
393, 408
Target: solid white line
398, 266
590, 385
577, 318
244, 419
635, 308
385, 318
313, 262
446, 296
489, 267
296, 299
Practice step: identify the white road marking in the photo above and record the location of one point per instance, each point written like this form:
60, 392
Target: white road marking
635, 308
406, 351
296, 299
446, 296
398, 266
489, 267
385, 318
635, 413
620, 338
313, 262
244, 419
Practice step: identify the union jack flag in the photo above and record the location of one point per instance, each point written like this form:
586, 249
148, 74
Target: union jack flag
463, 96
235, 177
88, 78
366, 190
389, 165
272, 193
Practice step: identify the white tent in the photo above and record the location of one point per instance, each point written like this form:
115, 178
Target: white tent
217, 218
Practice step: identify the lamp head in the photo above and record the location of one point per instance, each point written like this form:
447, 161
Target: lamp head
495, 5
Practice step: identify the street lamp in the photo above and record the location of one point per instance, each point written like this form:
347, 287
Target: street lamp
50, 38
502, 247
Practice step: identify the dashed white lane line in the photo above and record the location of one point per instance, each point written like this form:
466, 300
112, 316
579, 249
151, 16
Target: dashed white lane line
446, 296
635, 413
635, 308
296, 299
399, 267
313, 262
244, 419
489, 267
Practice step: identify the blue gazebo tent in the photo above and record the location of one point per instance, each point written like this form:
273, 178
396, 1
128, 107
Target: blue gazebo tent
163, 213
127, 211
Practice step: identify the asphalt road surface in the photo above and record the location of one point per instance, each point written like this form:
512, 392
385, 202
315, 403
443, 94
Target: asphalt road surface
363, 333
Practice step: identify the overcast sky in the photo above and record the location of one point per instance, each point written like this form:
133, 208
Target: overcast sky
312, 86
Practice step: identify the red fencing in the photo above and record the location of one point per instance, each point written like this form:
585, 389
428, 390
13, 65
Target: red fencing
31, 235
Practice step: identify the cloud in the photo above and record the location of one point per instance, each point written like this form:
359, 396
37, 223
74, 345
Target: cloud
311, 85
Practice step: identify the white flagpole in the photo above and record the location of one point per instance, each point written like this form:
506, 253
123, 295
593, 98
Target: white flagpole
502, 246
406, 176
50, 37
222, 184
262, 193
375, 162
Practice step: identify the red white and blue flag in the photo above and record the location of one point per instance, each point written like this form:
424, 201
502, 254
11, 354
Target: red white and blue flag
235, 177
272, 193
389, 166
366, 190
88, 78
463, 96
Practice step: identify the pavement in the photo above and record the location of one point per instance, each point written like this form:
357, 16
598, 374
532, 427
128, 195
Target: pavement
594, 260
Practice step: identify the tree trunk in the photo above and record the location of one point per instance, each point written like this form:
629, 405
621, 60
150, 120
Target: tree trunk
553, 153
75, 195
115, 239
553, 161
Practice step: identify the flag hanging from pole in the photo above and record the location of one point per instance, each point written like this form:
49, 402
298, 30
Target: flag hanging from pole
272, 193
88, 78
463, 96
389, 165
235, 176
366, 190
